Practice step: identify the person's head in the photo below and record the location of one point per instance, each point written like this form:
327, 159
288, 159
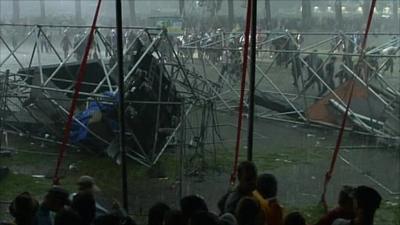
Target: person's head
85, 205
294, 218
267, 185
247, 176
56, 198
248, 212
67, 217
345, 199
366, 201
23, 208
203, 218
87, 183
227, 219
157, 213
192, 204
174, 217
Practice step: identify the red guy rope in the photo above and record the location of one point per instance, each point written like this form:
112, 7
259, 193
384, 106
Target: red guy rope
329, 173
82, 71
242, 87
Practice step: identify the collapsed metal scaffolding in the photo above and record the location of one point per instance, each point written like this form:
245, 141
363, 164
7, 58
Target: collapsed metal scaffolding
185, 81
37, 83
189, 85
285, 54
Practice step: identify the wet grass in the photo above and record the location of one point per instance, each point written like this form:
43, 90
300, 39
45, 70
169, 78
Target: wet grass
271, 159
30, 160
13, 184
388, 213
107, 173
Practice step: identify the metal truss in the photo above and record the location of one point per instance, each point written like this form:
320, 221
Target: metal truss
273, 45
31, 95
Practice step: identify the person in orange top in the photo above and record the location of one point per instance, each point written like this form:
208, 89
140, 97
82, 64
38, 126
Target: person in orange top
265, 193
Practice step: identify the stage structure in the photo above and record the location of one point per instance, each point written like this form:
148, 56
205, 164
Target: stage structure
175, 92
293, 82
39, 65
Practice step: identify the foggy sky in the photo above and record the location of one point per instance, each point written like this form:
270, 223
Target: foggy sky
146, 8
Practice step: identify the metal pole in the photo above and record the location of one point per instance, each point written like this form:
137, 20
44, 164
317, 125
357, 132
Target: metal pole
3, 104
252, 79
120, 48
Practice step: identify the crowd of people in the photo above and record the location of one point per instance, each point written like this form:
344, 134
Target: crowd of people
333, 70
325, 71
224, 49
252, 202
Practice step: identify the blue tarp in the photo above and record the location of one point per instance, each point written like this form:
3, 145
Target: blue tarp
80, 133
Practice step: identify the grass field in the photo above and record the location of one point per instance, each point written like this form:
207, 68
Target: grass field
164, 178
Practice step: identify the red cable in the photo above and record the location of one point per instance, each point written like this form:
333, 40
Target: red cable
329, 173
242, 87
82, 71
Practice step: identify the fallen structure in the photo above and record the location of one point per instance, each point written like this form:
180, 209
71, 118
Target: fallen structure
374, 109
36, 97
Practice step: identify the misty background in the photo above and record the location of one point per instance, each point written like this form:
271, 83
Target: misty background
294, 14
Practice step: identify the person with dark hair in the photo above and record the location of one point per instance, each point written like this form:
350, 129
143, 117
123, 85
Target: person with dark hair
157, 213
329, 75
67, 217
344, 209
54, 201
294, 218
248, 212
265, 193
66, 44
315, 65
247, 176
366, 201
192, 204
343, 75
85, 205
203, 218
23, 208
174, 217
296, 69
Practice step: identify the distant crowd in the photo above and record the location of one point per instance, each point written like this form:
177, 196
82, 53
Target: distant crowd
252, 202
